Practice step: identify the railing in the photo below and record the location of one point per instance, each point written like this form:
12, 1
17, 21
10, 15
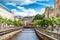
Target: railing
8, 30
54, 35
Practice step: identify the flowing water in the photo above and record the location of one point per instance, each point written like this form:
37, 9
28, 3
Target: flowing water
26, 34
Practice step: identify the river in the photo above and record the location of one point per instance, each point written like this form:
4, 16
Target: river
26, 34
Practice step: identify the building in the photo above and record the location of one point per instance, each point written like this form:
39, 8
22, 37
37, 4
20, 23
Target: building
57, 7
28, 19
19, 18
49, 12
56, 12
5, 13
24, 20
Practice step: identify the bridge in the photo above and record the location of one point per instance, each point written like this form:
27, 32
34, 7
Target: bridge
28, 26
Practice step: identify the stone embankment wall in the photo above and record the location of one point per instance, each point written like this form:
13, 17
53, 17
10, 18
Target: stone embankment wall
44, 36
9, 35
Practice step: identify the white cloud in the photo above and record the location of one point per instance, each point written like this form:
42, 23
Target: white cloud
32, 12
44, 4
42, 10
28, 12
23, 2
19, 13
26, 2
13, 4
22, 8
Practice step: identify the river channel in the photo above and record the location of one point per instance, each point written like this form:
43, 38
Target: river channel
26, 34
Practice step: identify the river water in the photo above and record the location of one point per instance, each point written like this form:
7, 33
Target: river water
26, 34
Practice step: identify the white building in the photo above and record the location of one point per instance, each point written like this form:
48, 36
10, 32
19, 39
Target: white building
5, 13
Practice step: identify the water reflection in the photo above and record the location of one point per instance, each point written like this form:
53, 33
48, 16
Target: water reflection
26, 34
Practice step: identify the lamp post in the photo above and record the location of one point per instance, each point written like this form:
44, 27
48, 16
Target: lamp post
57, 30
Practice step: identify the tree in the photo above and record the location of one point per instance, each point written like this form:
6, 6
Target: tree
9, 22
2, 19
17, 23
52, 22
43, 23
34, 24
38, 17
58, 21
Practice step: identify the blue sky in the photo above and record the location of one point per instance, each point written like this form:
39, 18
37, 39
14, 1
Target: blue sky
27, 7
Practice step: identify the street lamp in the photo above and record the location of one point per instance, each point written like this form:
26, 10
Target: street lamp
57, 30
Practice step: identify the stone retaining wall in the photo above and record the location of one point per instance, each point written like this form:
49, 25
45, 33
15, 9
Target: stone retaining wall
9, 35
44, 36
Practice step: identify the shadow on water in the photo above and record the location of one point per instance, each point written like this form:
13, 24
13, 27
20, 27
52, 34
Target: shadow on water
26, 34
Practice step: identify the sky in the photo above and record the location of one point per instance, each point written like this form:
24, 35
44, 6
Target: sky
27, 7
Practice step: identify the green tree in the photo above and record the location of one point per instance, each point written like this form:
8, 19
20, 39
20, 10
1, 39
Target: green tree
9, 22
17, 23
58, 21
2, 19
38, 17
43, 22
52, 22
